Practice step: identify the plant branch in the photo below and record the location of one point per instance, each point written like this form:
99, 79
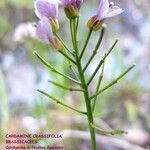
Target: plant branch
54, 70
96, 49
64, 87
113, 82
109, 132
70, 65
98, 86
72, 32
77, 24
63, 44
60, 103
86, 42
101, 62
65, 55
115, 143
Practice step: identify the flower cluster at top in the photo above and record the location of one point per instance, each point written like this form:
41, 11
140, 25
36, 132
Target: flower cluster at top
48, 10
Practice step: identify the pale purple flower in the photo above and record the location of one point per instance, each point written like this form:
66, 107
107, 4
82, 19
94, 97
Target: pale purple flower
45, 34
107, 10
75, 3
44, 31
46, 8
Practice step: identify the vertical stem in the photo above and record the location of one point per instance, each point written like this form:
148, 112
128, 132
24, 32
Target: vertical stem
85, 87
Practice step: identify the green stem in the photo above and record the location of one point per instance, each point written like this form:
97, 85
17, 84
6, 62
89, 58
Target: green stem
98, 86
96, 49
113, 82
65, 55
54, 70
63, 44
72, 33
60, 103
101, 62
77, 24
110, 132
84, 86
65, 88
70, 65
86, 42
73, 54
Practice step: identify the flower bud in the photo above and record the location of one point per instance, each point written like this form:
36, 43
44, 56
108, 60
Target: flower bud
71, 12
94, 23
57, 44
54, 24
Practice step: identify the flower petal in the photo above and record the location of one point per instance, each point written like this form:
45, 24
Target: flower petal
56, 2
103, 9
45, 8
79, 3
65, 2
75, 3
115, 10
43, 30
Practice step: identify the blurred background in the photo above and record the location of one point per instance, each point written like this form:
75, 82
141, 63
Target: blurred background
124, 106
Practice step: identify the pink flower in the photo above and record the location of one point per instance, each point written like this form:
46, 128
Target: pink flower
45, 34
46, 8
43, 30
75, 3
72, 8
105, 10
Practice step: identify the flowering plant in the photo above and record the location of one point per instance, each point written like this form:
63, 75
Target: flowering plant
47, 31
